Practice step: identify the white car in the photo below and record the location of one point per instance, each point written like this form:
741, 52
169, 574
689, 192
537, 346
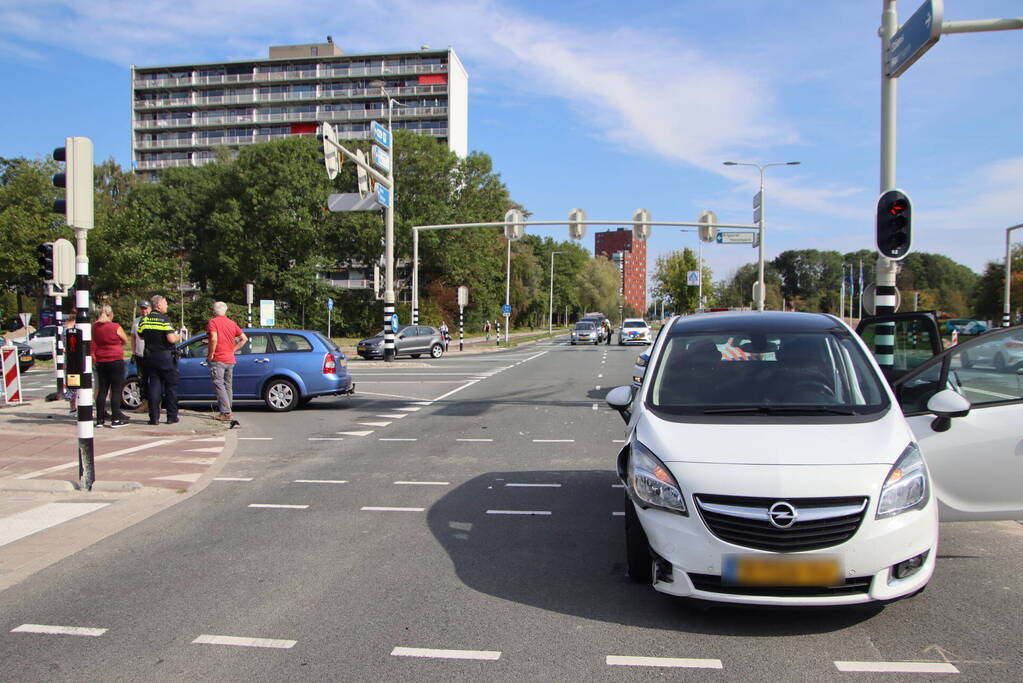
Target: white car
790, 476
42, 341
634, 330
1004, 354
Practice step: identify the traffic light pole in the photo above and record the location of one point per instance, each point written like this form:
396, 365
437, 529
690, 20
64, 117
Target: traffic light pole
86, 461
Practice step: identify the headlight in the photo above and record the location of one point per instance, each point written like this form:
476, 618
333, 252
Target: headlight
652, 483
906, 486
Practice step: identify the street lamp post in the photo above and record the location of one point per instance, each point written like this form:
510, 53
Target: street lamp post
761, 223
550, 309
1006, 315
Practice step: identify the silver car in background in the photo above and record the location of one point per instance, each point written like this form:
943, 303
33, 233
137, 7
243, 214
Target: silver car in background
585, 332
409, 340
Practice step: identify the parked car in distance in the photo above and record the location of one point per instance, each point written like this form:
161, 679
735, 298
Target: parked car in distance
1004, 353
42, 341
25, 358
409, 340
634, 330
795, 474
965, 326
283, 368
585, 332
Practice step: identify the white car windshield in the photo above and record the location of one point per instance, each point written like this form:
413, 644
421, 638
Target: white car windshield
584, 326
765, 373
634, 323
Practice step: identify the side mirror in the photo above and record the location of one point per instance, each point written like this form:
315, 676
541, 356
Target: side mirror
620, 398
947, 404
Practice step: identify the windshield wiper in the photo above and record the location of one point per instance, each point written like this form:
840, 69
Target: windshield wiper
779, 410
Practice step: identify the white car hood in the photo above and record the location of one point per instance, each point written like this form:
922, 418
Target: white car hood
774, 443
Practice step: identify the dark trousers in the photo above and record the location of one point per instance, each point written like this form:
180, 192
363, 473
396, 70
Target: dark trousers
109, 378
162, 376
140, 367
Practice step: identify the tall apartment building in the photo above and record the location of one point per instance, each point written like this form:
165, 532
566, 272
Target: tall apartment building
633, 251
181, 114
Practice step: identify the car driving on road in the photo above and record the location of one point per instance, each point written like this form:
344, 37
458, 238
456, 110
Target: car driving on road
634, 330
794, 473
283, 368
409, 340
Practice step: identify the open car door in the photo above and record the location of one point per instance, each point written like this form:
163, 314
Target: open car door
965, 407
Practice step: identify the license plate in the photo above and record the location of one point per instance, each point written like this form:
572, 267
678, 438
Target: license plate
766, 570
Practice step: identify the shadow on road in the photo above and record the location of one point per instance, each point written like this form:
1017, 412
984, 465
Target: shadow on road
572, 561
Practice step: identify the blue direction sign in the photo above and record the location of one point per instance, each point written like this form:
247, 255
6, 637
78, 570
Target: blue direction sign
506, 309
915, 37
394, 322
735, 237
383, 195
381, 135
330, 304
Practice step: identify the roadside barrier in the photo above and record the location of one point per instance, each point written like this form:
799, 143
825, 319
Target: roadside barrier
12, 374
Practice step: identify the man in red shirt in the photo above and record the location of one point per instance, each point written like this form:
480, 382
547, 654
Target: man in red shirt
224, 338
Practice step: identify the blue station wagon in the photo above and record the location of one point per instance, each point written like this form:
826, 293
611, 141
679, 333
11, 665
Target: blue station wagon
282, 368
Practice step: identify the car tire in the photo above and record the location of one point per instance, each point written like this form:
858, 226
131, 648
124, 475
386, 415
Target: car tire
281, 395
436, 351
999, 363
637, 548
131, 393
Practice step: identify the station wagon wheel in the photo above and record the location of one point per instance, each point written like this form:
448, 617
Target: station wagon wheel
280, 395
436, 351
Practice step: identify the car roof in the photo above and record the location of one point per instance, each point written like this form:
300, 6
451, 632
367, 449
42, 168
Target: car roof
755, 321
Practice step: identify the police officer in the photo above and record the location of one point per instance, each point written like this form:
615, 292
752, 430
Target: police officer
160, 363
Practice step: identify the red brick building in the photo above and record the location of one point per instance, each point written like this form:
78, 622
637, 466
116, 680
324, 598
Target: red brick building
634, 253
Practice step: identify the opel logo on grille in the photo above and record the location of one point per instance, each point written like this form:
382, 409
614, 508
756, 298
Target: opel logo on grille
782, 515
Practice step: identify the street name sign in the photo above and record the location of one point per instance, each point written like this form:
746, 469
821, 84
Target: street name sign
382, 159
735, 237
383, 196
914, 38
381, 135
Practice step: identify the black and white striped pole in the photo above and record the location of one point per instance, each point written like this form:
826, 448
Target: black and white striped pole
77, 207
463, 301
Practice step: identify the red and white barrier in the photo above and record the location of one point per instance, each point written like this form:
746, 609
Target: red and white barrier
12, 374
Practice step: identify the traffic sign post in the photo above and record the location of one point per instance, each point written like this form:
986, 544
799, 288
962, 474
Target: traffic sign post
914, 38
463, 301
330, 307
735, 237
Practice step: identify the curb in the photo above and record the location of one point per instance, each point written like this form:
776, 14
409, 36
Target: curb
37, 485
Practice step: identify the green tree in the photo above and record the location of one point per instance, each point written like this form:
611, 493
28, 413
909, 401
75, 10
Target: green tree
598, 282
671, 278
737, 291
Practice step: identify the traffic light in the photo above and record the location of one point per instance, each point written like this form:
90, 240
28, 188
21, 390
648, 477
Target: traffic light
894, 224
45, 258
77, 181
328, 148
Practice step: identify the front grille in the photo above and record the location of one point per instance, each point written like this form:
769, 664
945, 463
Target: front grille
712, 584
744, 521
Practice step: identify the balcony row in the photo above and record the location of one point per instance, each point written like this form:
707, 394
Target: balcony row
321, 71
197, 100
410, 113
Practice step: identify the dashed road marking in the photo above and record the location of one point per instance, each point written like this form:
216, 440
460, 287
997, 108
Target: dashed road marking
327, 438
370, 508
232, 478
237, 641
278, 507
410, 410
553, 440
374, 424
385, 439
534, 486
188, 477
617, 514
196, 461
475, 440
486, 655
213, 439
320, 481
255, 438
519, 512
394, 416
423, 483
213, 449
362, 433
897, 667
669, 662
59, 630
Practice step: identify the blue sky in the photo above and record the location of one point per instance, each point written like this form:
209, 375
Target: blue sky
609, 106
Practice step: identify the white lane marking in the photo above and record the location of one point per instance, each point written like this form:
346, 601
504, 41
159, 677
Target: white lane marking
374, 424
214, 439
195, 461
598, 388
370, 508
453, 391
518, 512
255, 438
371, 393
600, 376
206, 639
28, 522
898, 667
190, 477
553, 440
320, 481
618, 441
59, 630
410, 410
422, 403
278, 507
213, 449
617, 514
326, 438
105, 456
487, 655
992, 393
393, 417
670, 662
536, 486
423, 483
476, 440
362, 433
232, 478
595, 406
617, 486
360, 375
383, 439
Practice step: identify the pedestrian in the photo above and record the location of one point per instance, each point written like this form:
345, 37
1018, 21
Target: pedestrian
224, 338
486, 329
138, 349
160, 361
444, 333
108, 340
607, 331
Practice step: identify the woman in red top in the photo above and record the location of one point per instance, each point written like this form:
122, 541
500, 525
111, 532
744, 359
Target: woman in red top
108, 340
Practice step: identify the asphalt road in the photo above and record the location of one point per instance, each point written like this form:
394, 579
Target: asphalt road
457, 520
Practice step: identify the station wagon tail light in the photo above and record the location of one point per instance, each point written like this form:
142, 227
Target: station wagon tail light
329, 367
906, 486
